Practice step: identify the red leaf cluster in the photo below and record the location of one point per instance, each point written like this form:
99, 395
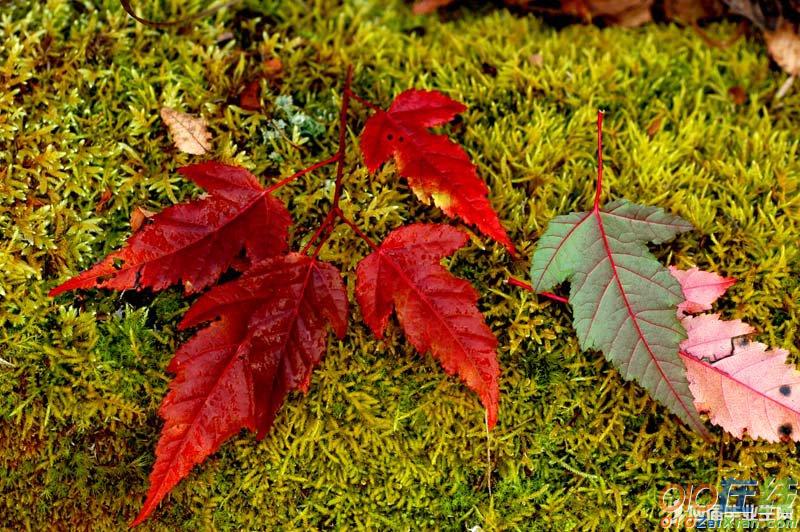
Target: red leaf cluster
267, 330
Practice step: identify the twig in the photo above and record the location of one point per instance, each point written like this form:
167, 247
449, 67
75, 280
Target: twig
513, 281
328, 222
126, 5
599, 192
740, 29
303, 172
337, 193
784, 88
356, 229
364, 101
488, 454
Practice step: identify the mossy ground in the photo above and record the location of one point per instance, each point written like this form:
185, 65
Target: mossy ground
383, 439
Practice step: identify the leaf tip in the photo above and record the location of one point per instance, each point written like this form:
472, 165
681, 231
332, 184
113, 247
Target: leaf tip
143, 514
60, 289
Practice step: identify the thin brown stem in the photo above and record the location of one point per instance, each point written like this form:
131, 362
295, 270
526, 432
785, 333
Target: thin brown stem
304, 171
325, 229
740, 31
346, 93
126, 5
324, 225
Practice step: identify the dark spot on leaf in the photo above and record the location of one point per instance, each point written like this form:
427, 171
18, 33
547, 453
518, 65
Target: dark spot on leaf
785, 430
742, 342
389, 136
785, 390
400, 138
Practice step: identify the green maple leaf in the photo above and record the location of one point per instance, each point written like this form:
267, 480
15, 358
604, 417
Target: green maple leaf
624, 301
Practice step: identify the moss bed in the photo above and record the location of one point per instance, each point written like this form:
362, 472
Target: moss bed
383, 440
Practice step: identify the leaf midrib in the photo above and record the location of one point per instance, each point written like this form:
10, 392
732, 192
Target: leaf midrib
607, 248
233, 219
196, 416
423, 297
731, 377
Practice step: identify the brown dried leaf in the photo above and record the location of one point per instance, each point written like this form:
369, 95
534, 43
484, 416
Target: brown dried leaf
784, 47
273, 68
693, 11
627, 13
422, 7
104, 197
189, 134
738, 95
655, 126
250, 98
138, 217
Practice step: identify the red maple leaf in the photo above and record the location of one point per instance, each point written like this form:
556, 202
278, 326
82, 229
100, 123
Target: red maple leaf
435, 166
194, 243
237, 372
437, 311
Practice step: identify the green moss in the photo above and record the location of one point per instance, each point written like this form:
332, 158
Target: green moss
382, 439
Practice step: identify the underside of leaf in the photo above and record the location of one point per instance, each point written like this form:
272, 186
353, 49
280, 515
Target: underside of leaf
624, 301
